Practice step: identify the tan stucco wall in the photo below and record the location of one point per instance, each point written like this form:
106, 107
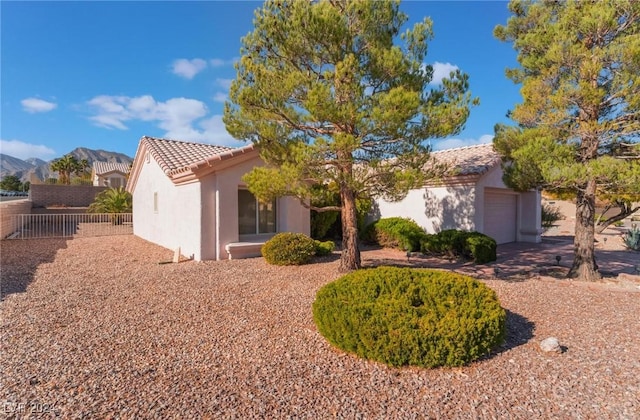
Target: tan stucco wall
291, 216
8, 209
435, 208
177, 221
462, 207
201, 217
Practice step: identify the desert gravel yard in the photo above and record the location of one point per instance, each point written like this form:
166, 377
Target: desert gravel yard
96, 328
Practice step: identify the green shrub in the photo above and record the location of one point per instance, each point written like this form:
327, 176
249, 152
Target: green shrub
632, 238
395, 232
457, 243
402, 316
550, 215
482, 248
324, 248
288, 248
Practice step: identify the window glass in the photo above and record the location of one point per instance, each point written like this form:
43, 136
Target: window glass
255, 217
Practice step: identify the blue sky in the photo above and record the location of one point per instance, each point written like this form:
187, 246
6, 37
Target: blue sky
103, 74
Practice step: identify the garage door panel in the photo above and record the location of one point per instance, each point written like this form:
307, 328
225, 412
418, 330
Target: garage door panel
500, 216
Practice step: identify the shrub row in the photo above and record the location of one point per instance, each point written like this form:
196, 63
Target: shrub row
456, 243
402, 316
407, 235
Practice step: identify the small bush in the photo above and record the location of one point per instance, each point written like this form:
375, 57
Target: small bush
395, 232
402, 316
632, 238
457, 243
324, 248
550, 215
288, 248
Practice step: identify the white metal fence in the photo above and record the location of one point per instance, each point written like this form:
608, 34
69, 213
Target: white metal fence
37, 226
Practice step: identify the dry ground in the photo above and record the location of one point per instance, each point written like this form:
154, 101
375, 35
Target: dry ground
96, 328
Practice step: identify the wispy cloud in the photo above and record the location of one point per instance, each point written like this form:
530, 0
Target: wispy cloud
224, 83
22, 150
454, 143
220, 97
219, 62
33, 105
180, 118
188, 68
442, 71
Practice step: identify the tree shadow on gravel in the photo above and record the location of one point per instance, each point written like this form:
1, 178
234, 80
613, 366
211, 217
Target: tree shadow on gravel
519, 331
20, 260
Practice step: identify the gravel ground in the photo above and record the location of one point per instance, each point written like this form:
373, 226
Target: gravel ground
103, 330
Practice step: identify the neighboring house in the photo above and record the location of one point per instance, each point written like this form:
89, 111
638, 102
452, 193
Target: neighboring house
192, 196
475, 198
109, 174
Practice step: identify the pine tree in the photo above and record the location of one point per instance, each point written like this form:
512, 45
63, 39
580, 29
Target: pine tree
330, 100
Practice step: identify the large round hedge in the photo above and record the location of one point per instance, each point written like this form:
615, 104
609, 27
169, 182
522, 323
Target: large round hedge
403, 316
289, 248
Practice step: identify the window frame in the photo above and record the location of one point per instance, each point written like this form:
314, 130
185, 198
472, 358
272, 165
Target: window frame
256, 218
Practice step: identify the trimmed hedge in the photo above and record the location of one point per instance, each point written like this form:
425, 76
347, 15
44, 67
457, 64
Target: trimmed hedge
457, 243
402, 316
395, 232
289, 248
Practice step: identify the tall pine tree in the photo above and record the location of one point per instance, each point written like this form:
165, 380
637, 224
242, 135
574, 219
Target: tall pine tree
333, 94
578, 125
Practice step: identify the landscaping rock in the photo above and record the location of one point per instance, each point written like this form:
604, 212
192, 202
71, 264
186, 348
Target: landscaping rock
551, 344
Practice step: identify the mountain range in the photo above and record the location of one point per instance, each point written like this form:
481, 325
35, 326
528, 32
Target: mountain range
23, 169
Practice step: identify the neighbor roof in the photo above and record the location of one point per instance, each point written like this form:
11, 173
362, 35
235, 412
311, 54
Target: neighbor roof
101, 168
469, 160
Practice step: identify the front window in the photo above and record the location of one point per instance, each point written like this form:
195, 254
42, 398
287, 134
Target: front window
255, 217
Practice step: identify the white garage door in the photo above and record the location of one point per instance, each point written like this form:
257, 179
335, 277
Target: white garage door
500, 216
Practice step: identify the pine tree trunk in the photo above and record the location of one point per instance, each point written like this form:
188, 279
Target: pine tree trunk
350, 258
584, 262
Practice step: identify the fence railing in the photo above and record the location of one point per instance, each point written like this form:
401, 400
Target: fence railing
37, 226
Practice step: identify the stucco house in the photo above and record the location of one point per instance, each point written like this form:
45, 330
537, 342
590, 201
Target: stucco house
109, 174
475, 198
192, 196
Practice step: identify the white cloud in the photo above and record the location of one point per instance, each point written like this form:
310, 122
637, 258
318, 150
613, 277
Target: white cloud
219, 62
441, 71
454, 143
33, 105
224, 83
188, 68
220, 97
180, 118
22, 150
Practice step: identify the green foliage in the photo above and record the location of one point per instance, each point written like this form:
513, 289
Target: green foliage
289, 248
335, 93
457, 243
11, 183
550, 215
418, 317
395, 232
68, 165
577, 127
632, 238
112, 200
324, 247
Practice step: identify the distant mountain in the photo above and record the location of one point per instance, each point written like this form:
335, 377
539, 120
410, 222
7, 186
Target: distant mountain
10, 165
23, 169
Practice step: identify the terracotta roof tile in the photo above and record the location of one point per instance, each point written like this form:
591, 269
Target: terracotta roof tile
173, 155
469, 160
107, 167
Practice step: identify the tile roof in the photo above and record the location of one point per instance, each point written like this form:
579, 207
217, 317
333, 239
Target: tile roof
173, 155
469, 160
107, 167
